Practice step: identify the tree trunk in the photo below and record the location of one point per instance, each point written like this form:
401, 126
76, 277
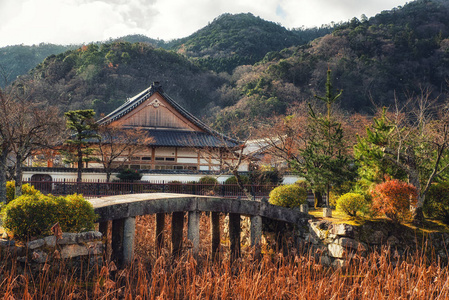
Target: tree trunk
80, 166
3, 157
18, 175
417, 213
318, 199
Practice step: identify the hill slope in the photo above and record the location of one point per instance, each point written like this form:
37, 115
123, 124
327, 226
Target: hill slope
102, 77
233, 40
395, 54
18, 60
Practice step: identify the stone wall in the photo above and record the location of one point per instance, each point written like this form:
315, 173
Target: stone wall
335, 242
70, 245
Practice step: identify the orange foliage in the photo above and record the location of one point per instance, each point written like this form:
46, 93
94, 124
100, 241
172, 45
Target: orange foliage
394, 198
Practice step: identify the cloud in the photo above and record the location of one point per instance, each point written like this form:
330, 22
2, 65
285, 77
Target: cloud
83, 21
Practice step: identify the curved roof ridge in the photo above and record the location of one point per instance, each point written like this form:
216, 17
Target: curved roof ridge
135, 101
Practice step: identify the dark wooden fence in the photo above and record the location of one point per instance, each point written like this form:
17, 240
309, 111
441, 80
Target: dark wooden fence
99, 188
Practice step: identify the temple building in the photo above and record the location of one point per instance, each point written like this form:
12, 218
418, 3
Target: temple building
179, 141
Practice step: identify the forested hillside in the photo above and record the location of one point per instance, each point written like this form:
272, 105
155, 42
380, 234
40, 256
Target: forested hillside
103, 77
395, 54
18, 60
242, 39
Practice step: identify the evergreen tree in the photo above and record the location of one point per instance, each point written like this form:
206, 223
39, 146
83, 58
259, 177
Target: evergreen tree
324, 159
83, 126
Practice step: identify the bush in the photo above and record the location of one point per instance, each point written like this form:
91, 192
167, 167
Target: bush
291, 195
394, 198
303, 183
436, 205
233, 180
129, 175
210, 185
351, 203
208, 180
34, 215
27, 189
271, 176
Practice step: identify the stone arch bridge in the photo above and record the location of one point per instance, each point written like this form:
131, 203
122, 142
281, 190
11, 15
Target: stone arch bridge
123, 209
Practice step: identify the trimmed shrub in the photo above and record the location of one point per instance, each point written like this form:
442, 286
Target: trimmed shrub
272, 176
291, 195
34, 215
209, 185
208, 180
394, 198
436, 205
233, 180
129, 175
351, 203
27, 189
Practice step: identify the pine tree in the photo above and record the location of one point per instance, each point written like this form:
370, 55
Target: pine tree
325, 161
83, 126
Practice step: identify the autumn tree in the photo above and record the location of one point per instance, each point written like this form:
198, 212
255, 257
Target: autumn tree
117, 144
83, 127
413, 139
394, 198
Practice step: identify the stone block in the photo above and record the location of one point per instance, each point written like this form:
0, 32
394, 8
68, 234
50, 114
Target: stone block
304, 208
342, 230
392, 241
348, 243
74, 250
377, 237
88, 236
50, 241
68, 238
95, 248
327, 212
310, 239
336, 250
339, 263
39, 256
35, 244
325, 260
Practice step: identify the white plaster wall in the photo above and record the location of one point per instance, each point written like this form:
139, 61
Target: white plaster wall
288, 179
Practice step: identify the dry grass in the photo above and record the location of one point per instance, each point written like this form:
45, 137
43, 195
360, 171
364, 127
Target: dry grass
380, 275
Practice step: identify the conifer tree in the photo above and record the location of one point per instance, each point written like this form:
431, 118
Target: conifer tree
83, 126
324, 159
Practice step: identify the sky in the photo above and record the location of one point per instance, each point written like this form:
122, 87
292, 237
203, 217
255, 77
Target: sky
65, 22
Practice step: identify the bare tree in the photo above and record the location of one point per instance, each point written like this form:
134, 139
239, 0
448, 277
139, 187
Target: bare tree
36, 127
117, 144
6, 134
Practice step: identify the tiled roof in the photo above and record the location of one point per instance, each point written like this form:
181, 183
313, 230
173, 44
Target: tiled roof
209, 137
177, 138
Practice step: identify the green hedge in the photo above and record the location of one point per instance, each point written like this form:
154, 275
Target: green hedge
351, 203
34, 215
291, 195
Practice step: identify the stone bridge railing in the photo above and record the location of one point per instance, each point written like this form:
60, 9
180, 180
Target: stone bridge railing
123, 209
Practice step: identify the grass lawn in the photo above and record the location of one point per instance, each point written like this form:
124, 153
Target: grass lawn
340, 217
